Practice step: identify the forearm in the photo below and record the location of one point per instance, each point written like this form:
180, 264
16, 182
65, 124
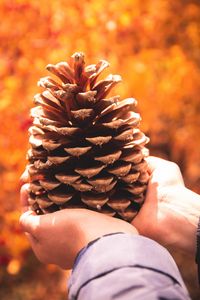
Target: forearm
124, 266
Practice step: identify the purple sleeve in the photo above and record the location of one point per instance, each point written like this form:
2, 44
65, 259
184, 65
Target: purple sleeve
124, 266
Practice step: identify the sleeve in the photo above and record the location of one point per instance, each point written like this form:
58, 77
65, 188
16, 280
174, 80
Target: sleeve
124, 266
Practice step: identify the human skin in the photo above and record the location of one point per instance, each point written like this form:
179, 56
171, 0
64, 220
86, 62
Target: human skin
171, 212
169, 215
57, 238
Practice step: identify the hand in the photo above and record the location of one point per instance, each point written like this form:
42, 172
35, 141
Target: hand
171, 212
57, 238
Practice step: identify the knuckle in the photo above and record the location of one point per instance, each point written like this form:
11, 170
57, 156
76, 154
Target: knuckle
39, 230
23, 221
36, 230
174, 167
175, 174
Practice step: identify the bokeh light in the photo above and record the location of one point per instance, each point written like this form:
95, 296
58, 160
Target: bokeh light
153, 44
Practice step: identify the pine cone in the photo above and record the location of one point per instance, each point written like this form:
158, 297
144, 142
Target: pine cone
86, 150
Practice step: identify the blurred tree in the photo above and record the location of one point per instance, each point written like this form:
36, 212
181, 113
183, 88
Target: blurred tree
153, 44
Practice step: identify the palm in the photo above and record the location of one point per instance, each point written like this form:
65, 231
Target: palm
157, 214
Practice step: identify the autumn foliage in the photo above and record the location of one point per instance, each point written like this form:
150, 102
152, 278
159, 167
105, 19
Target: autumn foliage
153, 44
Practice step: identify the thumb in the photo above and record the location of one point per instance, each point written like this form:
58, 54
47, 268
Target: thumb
29, 222
24, 177
24, 197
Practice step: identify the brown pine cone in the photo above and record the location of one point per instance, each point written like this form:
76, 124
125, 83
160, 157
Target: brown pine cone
86, 150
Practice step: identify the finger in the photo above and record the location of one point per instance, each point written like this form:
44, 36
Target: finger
29, 222
24, 177
155, 162
32, 239
24, 197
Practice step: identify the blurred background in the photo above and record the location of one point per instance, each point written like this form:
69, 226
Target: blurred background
153, 44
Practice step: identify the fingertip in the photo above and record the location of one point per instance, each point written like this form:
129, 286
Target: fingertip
24, 197
28, 221
24, 177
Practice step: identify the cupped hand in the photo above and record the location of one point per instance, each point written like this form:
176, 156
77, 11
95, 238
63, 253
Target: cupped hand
57, 238
170, 213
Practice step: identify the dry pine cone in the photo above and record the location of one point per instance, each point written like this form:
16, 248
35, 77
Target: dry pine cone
86, 150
